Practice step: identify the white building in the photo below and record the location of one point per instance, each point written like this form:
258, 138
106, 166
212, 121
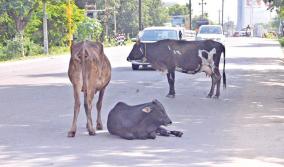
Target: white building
251, 12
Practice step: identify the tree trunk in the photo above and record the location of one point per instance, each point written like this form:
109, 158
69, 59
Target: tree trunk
22, 43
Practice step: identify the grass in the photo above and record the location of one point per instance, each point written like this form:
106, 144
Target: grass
281, 41
53, 52
58, 51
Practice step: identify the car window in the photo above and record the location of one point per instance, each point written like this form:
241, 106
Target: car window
155, 35
210, 30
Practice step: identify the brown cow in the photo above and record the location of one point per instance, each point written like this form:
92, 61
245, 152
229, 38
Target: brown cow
89, 71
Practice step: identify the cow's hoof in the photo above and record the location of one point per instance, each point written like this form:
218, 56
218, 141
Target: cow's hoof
92, 132
177, 133
152, 137
99, 127
71, 134
209, 96
216, 97
170, 96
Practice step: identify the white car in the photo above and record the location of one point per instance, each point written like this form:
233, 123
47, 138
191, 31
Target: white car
214, 32
154, 34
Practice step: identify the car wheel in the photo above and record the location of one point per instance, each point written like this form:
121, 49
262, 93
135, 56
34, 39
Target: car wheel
135, 67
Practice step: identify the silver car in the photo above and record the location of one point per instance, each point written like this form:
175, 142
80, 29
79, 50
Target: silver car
214, 32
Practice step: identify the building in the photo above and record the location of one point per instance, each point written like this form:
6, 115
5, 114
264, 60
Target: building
251, 12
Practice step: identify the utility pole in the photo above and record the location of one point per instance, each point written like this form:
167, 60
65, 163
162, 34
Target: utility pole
106, 17
45, 34
223, 14
140, 15
114, 19
189, 9
202, 3
219, 14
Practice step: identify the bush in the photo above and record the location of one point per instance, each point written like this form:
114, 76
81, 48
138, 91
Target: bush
281, 41
31, 48
12, 49
58, 50
88, 29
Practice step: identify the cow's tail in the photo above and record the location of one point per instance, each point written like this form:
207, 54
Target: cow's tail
83, 67
224, 74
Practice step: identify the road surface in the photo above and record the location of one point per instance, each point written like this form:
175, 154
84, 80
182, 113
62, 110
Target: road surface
243, 128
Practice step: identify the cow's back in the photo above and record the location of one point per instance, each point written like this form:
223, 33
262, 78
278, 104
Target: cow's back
124, 119
100, 68
96, 64
115, 117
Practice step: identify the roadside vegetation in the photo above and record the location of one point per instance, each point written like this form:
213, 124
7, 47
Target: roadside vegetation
22, 22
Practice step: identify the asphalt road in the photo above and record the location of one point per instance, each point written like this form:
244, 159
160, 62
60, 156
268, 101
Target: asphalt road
243, 128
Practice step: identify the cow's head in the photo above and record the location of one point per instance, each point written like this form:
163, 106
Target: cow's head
157, 113
137, 52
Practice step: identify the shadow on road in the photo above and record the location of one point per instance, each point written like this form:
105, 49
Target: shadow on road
35, 120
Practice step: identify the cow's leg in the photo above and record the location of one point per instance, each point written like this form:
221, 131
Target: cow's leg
163, 132
213, 83
128, 136
88, 98
218, 78
99, 107
176, 133
77, 90
152, 135
171, 81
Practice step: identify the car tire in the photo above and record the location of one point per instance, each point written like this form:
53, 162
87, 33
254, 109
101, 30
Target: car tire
135, 67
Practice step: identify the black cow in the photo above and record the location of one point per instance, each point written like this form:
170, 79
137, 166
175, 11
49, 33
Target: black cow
140, 121
185, 56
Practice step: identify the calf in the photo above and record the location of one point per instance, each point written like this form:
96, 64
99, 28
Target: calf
89, 72
140, 121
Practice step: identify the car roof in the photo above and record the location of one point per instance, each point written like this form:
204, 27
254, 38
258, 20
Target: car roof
211, 25
162, 28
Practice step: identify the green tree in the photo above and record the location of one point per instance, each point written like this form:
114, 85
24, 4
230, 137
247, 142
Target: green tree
88, 29
178, 10
7, 28
20, 11
127, 16
57, 23
154, 14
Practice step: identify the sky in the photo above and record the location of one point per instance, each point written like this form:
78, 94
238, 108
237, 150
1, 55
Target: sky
213, 7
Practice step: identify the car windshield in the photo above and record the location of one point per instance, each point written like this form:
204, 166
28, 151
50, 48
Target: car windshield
210, 30
156, 35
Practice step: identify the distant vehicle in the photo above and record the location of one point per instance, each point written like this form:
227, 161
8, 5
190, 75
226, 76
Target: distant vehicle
200, 23
178, 21
242, 33
214, 32
154, 34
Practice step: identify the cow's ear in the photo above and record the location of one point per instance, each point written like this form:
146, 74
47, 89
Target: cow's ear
147, 109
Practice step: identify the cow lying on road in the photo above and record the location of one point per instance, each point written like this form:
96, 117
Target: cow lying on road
139, 122
185, 56
89, 71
